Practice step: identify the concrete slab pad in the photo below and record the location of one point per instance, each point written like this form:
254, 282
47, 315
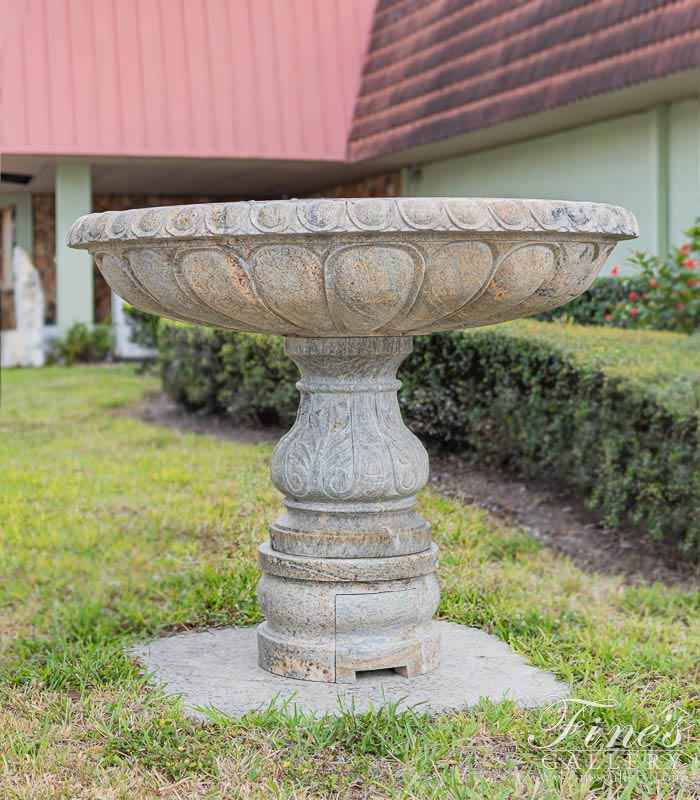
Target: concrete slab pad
219, 668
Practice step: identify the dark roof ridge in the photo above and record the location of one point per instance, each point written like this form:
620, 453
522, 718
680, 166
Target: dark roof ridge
468, 86
644, 38
565, 16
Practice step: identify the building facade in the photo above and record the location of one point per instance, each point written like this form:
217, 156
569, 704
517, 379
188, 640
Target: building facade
111, 105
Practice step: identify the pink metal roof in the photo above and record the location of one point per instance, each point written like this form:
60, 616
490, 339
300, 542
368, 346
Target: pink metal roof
205, 78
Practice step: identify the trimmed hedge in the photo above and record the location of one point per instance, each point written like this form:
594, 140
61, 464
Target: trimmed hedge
613, 414
610, 413
244, 375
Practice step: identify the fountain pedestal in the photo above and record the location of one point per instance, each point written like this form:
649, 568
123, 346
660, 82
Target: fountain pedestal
349, 573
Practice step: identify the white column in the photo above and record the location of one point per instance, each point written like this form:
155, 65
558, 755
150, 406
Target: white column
123, 346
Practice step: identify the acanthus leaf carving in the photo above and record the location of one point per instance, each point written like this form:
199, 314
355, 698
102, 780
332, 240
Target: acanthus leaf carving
349, 441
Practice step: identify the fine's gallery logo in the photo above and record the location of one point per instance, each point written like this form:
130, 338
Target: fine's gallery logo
577, 730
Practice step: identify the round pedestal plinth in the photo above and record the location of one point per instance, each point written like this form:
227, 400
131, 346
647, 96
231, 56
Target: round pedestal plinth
328, 618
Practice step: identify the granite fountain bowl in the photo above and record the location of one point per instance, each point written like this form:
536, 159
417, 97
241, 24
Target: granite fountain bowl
349, 581
348, 268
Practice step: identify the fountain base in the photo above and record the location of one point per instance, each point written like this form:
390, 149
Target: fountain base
330, 618
348, 580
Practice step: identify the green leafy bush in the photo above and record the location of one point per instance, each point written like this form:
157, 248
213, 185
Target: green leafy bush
244, 375
143, 327
612, 414
662, 294
81, 344
665, 293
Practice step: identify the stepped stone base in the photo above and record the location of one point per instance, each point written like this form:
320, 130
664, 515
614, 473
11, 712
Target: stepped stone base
219, 668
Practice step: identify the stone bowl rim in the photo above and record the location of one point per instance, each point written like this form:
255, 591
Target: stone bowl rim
343, 216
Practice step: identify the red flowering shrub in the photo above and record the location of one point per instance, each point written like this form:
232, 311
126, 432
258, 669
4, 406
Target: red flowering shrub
670, 295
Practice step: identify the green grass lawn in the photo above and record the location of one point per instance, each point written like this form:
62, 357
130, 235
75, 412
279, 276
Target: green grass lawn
113, 530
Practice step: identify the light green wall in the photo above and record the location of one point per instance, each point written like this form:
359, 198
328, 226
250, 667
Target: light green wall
684, 167
74, 283
24, 222
619, 161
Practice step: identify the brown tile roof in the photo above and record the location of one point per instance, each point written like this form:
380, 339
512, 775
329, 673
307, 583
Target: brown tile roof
438, 68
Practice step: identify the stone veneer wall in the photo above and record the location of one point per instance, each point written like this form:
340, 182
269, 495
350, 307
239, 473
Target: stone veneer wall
387, 184
384, 185
44, 213
7, 309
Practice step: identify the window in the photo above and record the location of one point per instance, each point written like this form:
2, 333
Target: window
7, 242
